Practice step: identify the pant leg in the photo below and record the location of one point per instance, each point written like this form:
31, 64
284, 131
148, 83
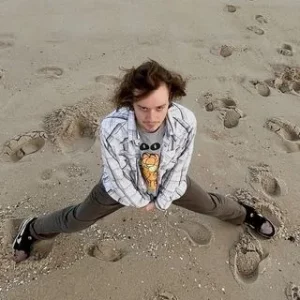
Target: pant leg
74, 218
221, 207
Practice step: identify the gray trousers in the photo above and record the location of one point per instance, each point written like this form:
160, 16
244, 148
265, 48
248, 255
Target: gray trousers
99, 204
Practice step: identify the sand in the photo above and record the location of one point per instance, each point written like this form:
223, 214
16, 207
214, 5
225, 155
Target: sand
59, 63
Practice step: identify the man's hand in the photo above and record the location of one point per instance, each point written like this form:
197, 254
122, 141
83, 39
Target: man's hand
149, 207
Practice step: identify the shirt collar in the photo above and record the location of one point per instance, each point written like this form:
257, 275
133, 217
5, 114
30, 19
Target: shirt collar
133, 133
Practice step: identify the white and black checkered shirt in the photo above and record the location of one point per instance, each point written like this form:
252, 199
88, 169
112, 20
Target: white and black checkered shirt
120, 141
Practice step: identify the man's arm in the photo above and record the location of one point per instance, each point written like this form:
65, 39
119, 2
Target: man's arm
175, 185
121, 184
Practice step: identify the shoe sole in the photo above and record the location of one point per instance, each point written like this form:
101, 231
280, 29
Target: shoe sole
20, 233
269, 236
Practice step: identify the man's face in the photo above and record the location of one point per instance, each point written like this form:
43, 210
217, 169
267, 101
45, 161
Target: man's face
151, 111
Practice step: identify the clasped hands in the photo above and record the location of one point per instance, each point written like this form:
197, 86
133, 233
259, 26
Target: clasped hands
149, 207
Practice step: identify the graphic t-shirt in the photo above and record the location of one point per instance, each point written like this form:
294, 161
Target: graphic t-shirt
150, 148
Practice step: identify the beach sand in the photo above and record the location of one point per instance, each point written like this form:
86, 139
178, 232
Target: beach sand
59, 64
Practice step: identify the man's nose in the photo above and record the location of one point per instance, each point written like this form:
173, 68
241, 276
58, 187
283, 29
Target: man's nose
151, 116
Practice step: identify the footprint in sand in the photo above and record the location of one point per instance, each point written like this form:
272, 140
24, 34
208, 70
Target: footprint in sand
289, 133
220, 104
230, 8
197, 233
231, 118
287, 79
230, 114
226, 51
261, 87
23, 144
264, 206
4, 44
245, 257
164, 296
73, 128
63, 172
107, 80
262, 179
256, 30
261, 19
41, 249
50, 72
292, 291
107, 250
286, 50
221, 50
77, 135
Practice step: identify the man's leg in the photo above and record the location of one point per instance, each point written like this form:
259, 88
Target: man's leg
74, 218
224, 208
97, 205
221, 207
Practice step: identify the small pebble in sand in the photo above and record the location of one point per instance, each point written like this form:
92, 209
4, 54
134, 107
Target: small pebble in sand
231, 8
225, 51
263, 89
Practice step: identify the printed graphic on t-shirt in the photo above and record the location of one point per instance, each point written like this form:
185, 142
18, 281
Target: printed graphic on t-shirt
149, 166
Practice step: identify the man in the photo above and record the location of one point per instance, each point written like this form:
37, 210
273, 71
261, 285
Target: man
147, 145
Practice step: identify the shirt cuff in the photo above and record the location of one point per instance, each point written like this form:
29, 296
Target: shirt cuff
162, 203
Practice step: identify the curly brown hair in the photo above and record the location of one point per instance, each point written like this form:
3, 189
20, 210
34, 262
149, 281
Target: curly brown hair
139, 82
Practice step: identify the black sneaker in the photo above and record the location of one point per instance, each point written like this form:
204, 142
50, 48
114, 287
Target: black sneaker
23, 242
259, 223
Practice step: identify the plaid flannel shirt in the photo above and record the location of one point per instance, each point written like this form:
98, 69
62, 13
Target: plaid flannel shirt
120, 141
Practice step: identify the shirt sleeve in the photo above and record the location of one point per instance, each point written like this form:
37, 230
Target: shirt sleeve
175, 185
120, 183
